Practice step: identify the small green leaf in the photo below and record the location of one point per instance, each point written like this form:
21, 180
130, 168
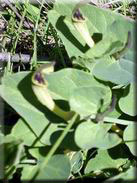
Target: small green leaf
104, 160
32, 10
13, 151
127, 102
1, 138
76, 161
129, 175
130, 138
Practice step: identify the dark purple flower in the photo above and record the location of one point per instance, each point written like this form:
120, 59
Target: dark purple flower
78, 15
39, 78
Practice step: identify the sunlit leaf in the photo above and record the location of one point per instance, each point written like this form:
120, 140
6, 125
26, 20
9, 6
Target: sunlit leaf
105, 160
127, 102
90, 135
130, 138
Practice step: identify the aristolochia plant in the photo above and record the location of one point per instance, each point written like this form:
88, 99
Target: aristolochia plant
80, 117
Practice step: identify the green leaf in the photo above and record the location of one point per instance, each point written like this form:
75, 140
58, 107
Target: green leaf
100, 23
89, 135
107, 46
11, 146
65, 8
73, 41
112, 41
87, 100
129, 175
106, 159
85, 63
69, 80
130, 55
57, 169
33, 11
130, 139
118, 72
76, 160
42, 124
21, 130
1, 138
110, 140
127, 102
16, 91
13, 150
118, 27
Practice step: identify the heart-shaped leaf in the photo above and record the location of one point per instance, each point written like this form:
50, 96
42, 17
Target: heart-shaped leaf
88, 100
89, 135
104, 160
118, 72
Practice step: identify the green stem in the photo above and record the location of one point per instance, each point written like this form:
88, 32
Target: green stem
58, 142
115, 120
55, 146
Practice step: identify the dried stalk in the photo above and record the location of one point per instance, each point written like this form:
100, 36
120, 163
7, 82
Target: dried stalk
24, 58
